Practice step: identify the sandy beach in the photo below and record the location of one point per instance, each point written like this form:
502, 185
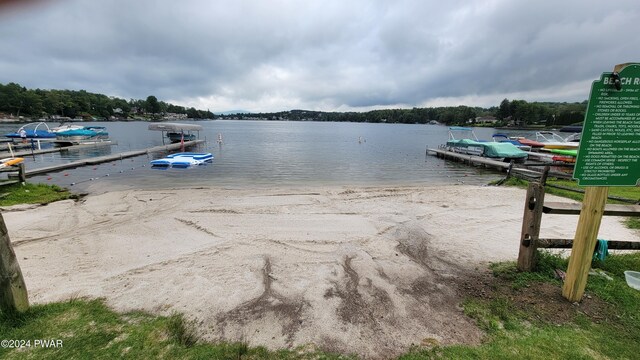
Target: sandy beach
358, 270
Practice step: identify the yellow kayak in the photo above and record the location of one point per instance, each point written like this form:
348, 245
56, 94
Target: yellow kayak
10, 161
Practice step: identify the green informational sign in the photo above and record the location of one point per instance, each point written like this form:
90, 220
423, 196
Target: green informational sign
609, 153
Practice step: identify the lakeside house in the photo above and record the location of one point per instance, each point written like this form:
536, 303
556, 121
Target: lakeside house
485, 120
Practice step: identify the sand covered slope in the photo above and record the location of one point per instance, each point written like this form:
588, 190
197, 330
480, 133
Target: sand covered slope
357, 270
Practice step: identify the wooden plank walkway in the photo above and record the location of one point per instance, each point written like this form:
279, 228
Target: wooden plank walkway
30, 152
471, 159
523, 169
106, 158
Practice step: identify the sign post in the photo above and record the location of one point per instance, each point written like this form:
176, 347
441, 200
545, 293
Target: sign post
609, 155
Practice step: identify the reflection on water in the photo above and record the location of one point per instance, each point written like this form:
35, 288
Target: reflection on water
271, 154
86, 152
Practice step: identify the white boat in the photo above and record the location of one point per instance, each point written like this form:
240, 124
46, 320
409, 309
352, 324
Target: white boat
182, 160
65, 127
574, 137
552, 140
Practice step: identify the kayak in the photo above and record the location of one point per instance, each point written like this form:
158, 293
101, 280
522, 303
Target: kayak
10, 161
565, 152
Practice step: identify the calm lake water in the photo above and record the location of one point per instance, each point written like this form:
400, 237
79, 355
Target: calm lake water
271, 154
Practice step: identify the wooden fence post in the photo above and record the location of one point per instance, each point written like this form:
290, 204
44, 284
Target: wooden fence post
21, 173
531, 227
13, 291
595, 199
531, 219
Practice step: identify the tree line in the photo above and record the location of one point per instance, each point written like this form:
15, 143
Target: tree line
542, 112
515, 112
20, 101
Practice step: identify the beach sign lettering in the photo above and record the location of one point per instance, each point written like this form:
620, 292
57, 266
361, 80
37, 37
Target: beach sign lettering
609, 153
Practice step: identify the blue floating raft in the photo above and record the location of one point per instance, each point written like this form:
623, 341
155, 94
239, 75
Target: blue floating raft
183, 160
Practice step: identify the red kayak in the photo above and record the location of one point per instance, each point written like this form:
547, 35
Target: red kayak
532, 143
564, 159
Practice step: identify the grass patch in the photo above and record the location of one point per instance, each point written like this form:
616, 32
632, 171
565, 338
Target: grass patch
182, 331
545, 270
525, 315
628, 192
89, 330
512, 181
632, 223
32, 194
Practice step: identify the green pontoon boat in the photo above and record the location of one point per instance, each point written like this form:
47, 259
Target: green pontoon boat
464, 140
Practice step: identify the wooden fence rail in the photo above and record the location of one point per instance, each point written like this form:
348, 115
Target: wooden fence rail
535, 207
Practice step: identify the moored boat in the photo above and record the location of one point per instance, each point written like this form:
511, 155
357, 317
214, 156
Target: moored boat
464, 140
552, 140
574, 137
177, 137
523, 140
503, 138
84, 133
177, 132
32, 131
64, 127
574, 128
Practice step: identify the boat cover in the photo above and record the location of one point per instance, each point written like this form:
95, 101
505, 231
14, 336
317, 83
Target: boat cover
77, 132
30, 134
491, 149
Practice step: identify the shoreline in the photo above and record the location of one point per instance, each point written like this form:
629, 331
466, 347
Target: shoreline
369, 270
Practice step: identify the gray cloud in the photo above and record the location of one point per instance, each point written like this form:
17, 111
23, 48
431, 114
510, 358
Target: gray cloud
321, 55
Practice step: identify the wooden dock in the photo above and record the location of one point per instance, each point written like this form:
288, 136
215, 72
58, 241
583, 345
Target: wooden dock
526, 171
106, 158
30, 152
469, 159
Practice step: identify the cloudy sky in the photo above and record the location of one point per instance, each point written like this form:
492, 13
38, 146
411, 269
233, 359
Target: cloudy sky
328, 55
